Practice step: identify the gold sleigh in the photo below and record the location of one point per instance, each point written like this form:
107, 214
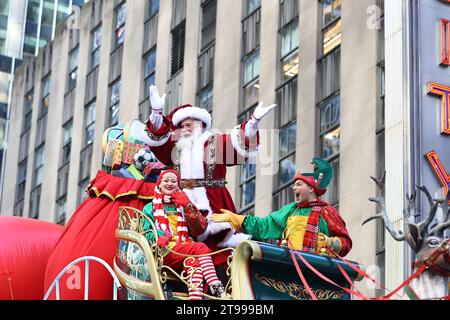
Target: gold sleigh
139, 265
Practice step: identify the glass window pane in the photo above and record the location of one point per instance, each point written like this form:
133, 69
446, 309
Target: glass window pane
287, 170
289, 66
97, 38
90, 130
95, 58
251, 94
326, 11
120, 35
121, 15
329, 114
90, 113
150, 63
67, 133
332, 37
331, 143
115, 93
252, 5
248, 193
337, 5
154, 7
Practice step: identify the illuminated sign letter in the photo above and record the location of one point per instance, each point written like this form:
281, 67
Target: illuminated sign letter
439, 170
444, 93
445, 42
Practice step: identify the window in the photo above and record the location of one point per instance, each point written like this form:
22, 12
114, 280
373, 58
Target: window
330, 74
285, 120
120, 17
114, 103
177, 52
67, 141
251, 6
289, 51
61, 211
332, 194
45, 103
20, 189
329, 127
28, 111
205, 79
149, 70
329, 95
208, 28
89, 123
331, 24
247, 184
153, 8
73, 67
331, 11
96, 37
251, 80
205, 97
82, 191
38, 165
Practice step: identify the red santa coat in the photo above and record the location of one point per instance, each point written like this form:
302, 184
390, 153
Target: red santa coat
206, 162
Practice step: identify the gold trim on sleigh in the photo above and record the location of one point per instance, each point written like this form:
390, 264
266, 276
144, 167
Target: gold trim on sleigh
131, 228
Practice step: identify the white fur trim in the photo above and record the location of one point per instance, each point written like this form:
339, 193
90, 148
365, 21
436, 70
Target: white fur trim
158, 143
213, 228
232, 239
192, 167
192, 112
234, 135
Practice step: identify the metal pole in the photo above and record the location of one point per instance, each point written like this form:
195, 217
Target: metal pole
86, 280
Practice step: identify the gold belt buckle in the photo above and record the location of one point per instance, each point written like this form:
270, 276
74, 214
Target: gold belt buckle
189, 184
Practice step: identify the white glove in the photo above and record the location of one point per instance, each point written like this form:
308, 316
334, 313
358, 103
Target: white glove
157, 102
261, 111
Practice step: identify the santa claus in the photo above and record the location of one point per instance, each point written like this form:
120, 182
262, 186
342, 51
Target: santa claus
184, 141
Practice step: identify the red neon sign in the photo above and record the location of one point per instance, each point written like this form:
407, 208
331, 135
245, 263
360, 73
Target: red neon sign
444, 93
445, 42
439, 170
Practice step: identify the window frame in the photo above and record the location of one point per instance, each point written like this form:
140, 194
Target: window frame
117, 42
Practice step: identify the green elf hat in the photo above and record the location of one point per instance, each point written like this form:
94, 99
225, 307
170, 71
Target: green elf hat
320, 178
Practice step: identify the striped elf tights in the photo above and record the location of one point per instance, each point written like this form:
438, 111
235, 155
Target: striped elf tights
207, 272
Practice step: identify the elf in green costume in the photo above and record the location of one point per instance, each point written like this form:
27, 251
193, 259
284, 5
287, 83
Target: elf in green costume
308, 224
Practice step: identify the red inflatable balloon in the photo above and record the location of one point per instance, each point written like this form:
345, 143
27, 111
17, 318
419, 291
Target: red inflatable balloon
25, 246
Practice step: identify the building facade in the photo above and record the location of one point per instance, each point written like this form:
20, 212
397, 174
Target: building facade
25, 26
323, 62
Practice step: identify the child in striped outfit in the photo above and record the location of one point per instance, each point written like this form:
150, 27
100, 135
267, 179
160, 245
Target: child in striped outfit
176, 219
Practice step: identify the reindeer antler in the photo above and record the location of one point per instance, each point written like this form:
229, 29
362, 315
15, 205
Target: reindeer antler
423, 225
439, 229
397, 235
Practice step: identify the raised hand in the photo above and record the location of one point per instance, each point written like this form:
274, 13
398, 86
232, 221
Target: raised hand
261, 111
157, 102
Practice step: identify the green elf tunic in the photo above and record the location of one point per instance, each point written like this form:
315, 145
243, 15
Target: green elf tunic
171, 212
287, 223
301, 225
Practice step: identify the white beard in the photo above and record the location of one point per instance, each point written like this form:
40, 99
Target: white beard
192, 154
192, 150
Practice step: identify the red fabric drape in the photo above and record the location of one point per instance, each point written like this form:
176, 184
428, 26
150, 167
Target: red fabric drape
90, 232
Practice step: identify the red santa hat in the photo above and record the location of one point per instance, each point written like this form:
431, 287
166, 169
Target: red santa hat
161, 175
187, 111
